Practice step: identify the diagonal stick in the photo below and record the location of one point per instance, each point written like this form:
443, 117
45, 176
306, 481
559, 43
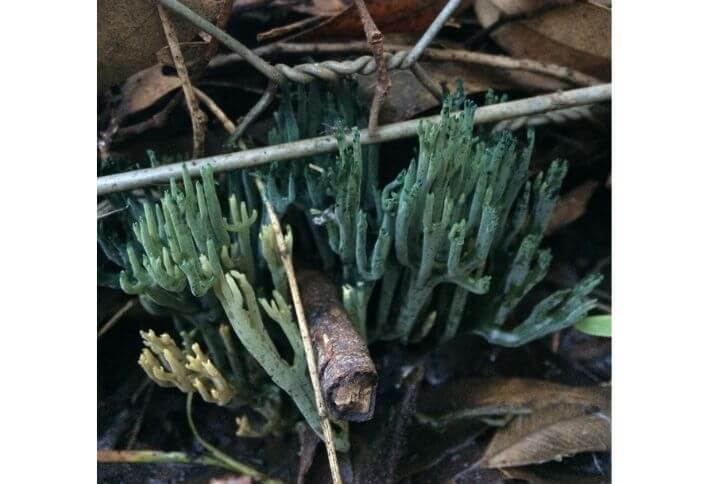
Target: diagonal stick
305, 336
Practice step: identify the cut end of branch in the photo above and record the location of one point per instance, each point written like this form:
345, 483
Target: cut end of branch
347, 372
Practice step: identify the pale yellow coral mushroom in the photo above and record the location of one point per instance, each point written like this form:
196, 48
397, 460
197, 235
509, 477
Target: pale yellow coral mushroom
164, 362
222, 392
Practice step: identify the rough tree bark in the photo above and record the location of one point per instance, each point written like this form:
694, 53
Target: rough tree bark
347, 372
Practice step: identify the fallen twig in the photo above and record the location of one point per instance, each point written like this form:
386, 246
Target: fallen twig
254, 59
254, 112
223, 459
287, 261
323, 144
215, 110
155, 457
116, 317
431, 32
375, 39
199, 120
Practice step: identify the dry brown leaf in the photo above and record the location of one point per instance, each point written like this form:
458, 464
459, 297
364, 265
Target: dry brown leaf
409, 97
143, 89
405, 16
530, 475
571, 206
129, 34
474, 397
576, 36
320, 8
550, 433
490, 11
487, 13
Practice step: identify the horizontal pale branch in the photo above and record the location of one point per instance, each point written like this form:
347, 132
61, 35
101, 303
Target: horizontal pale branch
324, 144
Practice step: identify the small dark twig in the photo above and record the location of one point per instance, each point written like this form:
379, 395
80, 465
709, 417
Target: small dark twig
215, 110
254, 112
140, 418
431, 32
376, 44
222, 458
426, 81
115, 318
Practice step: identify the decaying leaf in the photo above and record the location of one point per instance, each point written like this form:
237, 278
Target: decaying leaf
576, 36
405, 16
492, 397
537, 475
130, 33
572, 205
490, 11
550, 433
410, 98
143, 89
320, 8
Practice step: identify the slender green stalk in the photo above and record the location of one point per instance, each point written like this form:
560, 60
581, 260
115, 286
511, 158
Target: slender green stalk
222, 457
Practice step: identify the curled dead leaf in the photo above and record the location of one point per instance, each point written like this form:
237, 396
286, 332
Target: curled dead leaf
576, 36
550, 433
405, 16
489, 397
143, 89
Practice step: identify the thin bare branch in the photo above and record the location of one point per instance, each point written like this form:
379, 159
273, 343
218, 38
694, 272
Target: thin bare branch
220, 456
256, 61
375, 39
215, 110
324, 144
199, 120
426, 81
254, 112
431, 32
305, 335
115, 318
